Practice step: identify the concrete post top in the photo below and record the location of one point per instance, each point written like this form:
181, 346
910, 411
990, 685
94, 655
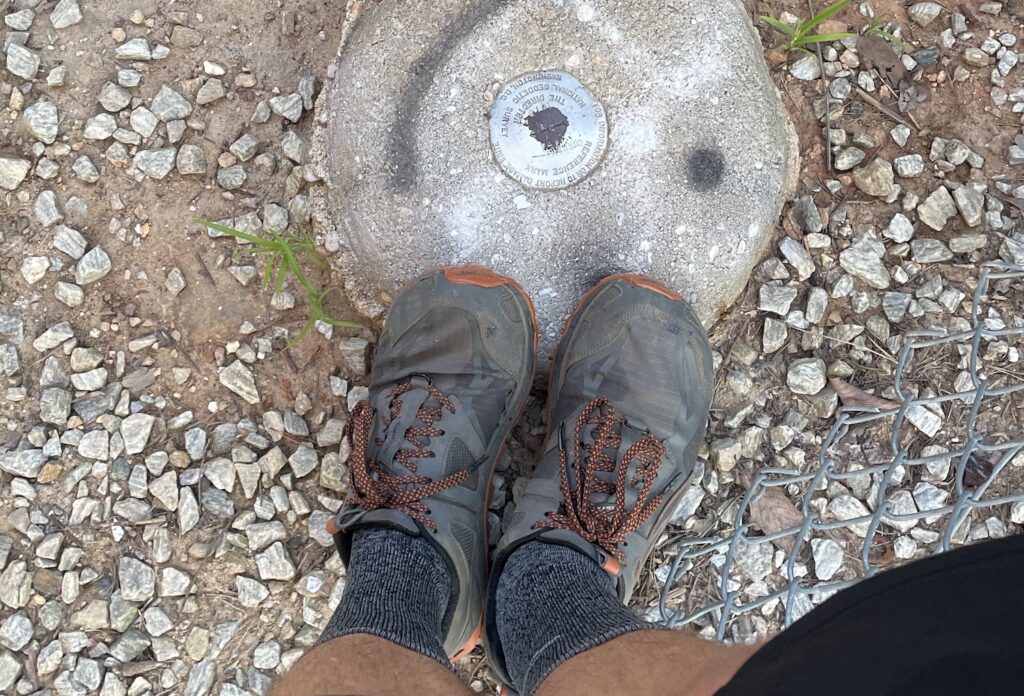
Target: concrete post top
555, 141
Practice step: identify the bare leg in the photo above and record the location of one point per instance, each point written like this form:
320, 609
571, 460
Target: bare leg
363, 665
652, 663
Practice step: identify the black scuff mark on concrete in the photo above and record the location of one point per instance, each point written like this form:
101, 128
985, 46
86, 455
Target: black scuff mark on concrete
402, 145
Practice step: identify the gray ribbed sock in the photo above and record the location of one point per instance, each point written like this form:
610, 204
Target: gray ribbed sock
552, 604
397, 588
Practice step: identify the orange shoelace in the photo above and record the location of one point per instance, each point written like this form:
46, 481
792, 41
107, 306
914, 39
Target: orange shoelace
373, 488
606, 525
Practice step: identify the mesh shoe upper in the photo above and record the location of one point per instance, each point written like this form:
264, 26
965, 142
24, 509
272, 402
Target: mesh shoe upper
452, 371
629, 398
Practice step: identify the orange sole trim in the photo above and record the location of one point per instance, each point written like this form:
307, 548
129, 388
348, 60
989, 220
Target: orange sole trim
470, 645
481, 276
612, 567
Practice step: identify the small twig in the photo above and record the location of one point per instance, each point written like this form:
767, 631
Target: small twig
312, 357
884, 109
166, 336
64, 528
291, 360
896, 95
850, 343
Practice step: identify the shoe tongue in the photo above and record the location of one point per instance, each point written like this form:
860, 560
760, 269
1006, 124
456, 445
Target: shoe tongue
393, 429
629, 434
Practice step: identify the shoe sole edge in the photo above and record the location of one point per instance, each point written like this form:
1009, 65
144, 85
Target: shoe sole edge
481, 276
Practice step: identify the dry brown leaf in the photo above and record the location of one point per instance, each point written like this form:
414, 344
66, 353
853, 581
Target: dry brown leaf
773, 512
790, 226
882, 554
1017, 203
876, 52
855, 396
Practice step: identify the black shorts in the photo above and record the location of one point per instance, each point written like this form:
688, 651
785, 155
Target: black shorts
949, 624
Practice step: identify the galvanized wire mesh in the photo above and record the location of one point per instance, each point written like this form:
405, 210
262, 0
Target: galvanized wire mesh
705, 586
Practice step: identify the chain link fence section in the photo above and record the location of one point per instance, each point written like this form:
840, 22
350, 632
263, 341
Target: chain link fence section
705, 586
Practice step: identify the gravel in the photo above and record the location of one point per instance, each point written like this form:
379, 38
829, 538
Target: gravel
924, 13
863, 260
245, 147
971, 204
70, 241
231, 178
806, 376
191, 160
24, 463
143, 121
806, 68
155, 164
169, 105
20, 20
238, 378
900, 229
65, 14
136, 579
47, 209
930, 251
22, 62
42, 119
99, 127
937, 209
275, 563
828, 558
69, 293
287, 106
909, 166
136, 49
849, 158
10, 670
798, 258
113, 97
135, 432
776, 299
94, 265
12, 172
875, 179
211, 91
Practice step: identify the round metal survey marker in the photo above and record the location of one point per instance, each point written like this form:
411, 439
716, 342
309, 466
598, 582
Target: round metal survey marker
547, 130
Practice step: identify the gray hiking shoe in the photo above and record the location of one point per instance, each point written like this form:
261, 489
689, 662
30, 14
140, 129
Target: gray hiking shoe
628, 404
452, 372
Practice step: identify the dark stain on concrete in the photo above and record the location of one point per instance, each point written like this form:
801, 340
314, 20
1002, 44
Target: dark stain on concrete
705, 168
